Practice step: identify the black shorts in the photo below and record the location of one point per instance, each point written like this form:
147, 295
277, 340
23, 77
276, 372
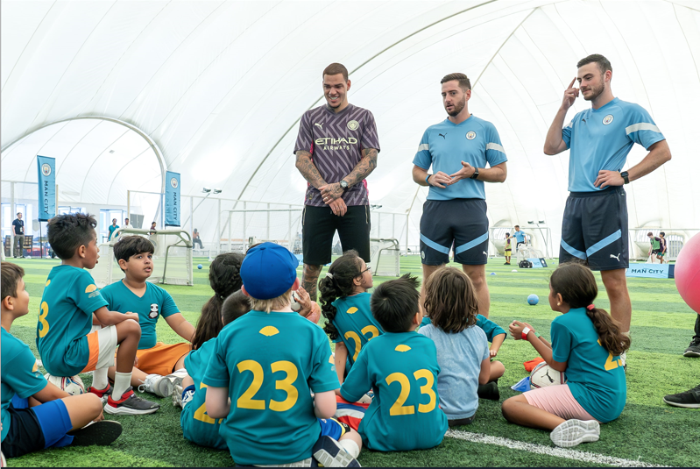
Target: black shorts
318, 228
594, 229
459, 224
33, 429
656, 251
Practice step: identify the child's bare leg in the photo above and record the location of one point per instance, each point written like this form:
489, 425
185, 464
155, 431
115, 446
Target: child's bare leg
137, 376
517, 410
83, 409
128, 336
497, 370
352, 443
187, 381
180, 363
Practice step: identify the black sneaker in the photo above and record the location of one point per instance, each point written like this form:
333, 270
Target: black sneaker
97, 433
130, 404
489, 391
689, 399
693, 349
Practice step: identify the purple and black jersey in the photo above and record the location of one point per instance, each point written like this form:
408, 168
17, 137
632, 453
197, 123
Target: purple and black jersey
336, 141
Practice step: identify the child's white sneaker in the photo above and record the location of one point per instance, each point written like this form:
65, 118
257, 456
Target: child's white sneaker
177, 376
574, 432
329, 453
159, 385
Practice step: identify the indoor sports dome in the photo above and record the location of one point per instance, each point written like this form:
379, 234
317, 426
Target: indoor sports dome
120, 92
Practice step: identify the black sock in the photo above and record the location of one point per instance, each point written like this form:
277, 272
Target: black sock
697, 327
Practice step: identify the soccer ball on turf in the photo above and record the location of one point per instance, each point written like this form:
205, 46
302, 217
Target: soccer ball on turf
73, 385
544, 375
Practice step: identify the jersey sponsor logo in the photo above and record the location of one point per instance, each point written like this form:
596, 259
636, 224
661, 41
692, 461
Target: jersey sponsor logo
47, 283
320, 126
91, 288
444, 135
173, 182
352, 310
154, 311
607, 119
269, 331
471, 135
46, 169
402, 348
330, 143
422, 254
353, 125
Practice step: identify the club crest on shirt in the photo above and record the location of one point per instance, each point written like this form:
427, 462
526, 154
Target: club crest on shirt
353, 125
154, 311
607, 119
471, 135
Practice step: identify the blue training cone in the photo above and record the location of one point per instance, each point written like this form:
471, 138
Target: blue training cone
523, 385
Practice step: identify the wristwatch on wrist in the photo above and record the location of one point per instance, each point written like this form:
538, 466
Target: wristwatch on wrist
344, 184
476, 174
525, 332
625, 175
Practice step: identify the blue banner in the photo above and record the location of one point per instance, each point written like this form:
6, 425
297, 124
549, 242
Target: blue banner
47, 187
172, 199
649, 271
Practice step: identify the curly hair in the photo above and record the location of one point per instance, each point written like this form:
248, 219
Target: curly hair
450, 300
225, 279
70, 231
344, 270
577, 286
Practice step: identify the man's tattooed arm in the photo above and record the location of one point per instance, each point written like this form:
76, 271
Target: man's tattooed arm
307, 169
364, 168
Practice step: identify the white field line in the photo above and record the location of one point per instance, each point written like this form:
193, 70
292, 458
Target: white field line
547, 450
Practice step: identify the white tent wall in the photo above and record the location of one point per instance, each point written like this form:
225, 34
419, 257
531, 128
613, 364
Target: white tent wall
220, 86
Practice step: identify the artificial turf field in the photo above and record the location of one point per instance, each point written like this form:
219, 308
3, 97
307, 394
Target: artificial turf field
647, 433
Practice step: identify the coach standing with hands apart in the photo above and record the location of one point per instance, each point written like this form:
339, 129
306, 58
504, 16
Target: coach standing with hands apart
18, 230
336, 150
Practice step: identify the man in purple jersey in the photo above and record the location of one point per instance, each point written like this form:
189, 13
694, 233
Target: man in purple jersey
336, 150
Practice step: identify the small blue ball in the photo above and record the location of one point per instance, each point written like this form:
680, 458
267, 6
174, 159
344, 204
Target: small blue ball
533, 299
199, 266
493, 273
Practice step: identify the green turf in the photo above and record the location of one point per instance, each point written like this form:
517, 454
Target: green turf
648, 430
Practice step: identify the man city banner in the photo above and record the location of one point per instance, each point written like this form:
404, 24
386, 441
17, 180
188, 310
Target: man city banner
650, 270
47, 187
172, 199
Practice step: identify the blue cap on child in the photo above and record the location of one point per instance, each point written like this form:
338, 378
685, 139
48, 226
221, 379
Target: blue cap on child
268, 270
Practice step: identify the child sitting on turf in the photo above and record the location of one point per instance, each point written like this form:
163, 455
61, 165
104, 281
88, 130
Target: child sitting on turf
225, 279
586, 344
402, 369
69, 303
35, 413
466, 370
156, 360
268, 362
346, 307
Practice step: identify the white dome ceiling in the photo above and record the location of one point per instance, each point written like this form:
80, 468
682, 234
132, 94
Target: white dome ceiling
220, 85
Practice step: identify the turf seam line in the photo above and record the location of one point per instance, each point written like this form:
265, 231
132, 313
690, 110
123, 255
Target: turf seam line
547, 450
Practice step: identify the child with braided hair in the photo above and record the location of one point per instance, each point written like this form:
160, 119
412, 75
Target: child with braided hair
345, 304
587, 344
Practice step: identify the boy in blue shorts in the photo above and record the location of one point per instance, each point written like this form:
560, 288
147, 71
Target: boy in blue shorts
156, 360
271, 417
401, 368
70, 304
35, 413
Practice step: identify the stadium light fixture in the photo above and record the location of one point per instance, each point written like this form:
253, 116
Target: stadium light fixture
206, 190
217, 191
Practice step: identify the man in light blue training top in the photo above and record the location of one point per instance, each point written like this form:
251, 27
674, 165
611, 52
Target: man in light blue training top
520, 238
454, 214
594, 229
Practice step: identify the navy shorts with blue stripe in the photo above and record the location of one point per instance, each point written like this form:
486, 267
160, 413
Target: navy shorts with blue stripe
594, 229
458, 224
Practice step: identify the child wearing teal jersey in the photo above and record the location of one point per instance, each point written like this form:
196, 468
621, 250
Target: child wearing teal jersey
586, 344
160, 366
225, 280
262, 385
69, 305
402, 369
467, 373
346, 307
35, 413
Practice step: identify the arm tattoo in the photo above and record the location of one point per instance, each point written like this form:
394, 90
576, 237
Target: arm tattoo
364, 167
307, 169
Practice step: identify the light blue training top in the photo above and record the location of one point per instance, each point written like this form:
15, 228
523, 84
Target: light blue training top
601, 139
459, 357
446, 145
